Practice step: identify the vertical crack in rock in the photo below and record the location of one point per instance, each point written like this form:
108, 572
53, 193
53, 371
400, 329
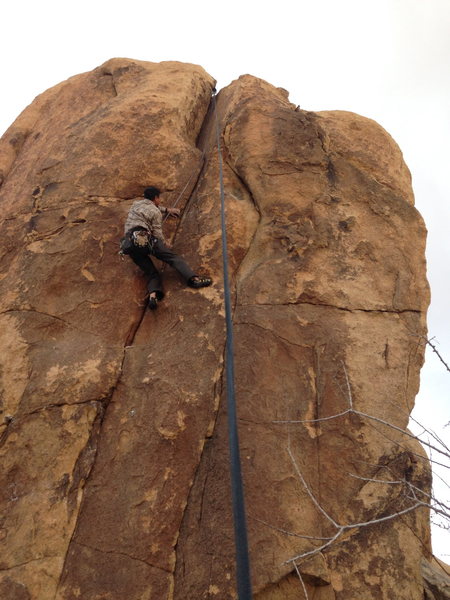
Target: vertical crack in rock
95, 436
189, 188
242, 180
209, 121
86, 459
211, 427
317, 439
330, 169
129, 341
9, 420
84, 467
107, 73
241, 265
333, 195
209, 435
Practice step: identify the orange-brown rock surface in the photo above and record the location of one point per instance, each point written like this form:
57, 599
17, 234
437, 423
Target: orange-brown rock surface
115, 479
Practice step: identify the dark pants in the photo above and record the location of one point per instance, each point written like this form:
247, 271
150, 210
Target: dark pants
158, 249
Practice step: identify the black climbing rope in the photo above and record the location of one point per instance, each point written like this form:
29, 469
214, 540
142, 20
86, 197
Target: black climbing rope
244, 587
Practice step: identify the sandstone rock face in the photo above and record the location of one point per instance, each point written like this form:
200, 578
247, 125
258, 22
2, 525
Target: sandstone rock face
114, 452
436, 580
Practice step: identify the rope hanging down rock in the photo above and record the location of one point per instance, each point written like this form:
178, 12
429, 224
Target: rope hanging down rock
237, 492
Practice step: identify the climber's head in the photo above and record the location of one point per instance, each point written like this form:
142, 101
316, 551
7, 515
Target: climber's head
151, 193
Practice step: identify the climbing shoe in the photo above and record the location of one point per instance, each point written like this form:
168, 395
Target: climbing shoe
152, 303
198, 282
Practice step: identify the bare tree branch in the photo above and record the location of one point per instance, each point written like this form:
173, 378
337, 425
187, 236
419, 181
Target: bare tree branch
290, 533
310, 494
301, 581
411, 496
435, 350
316, 550
370, 417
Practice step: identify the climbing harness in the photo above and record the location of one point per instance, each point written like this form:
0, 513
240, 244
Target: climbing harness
141, 238
237, 492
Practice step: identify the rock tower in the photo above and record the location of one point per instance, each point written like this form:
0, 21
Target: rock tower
114, 463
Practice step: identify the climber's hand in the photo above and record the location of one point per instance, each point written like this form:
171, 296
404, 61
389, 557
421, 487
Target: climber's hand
174, 212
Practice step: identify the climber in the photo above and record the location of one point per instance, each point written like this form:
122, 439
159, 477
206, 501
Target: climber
144, 237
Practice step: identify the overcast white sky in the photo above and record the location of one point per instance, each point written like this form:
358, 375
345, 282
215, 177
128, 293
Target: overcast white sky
385, 59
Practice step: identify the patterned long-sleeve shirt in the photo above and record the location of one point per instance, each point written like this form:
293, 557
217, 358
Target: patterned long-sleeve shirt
144, 213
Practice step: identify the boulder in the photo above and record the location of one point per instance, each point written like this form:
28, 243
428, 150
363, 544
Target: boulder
115, 477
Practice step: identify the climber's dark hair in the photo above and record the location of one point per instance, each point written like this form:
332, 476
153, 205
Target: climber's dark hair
151, 193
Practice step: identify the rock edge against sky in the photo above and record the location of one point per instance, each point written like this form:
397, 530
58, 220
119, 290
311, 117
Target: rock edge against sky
115, 469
